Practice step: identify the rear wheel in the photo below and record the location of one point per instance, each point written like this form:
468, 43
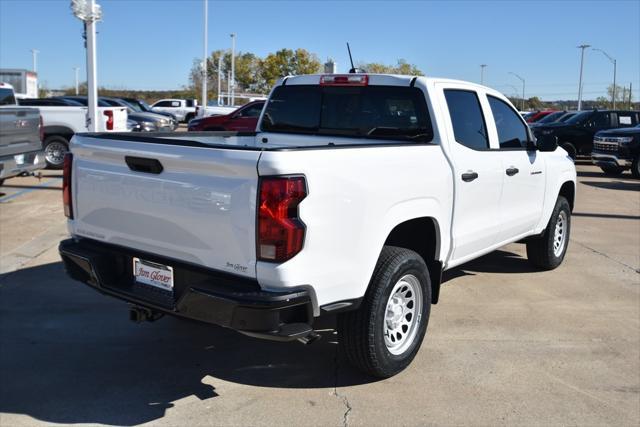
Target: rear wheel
189, 117
570, 149
635, 167
612, 170
383, 336
547, 251
55, 148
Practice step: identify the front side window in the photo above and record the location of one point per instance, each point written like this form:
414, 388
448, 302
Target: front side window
512, 133
466, 117
376, 112
163, 104
253, 111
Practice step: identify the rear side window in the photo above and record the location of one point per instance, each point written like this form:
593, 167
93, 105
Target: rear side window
380, 112
466, 117
512, 133
6, 97
627, 119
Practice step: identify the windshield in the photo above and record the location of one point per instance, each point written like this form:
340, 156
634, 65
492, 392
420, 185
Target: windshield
383, 112
144, 105
579, 118
550, 118
6, 97
566, 117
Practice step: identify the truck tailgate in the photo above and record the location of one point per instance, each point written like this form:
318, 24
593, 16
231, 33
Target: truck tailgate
199, 208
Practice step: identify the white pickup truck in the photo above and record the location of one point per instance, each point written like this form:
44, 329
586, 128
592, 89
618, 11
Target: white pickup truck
352, 198
183, 109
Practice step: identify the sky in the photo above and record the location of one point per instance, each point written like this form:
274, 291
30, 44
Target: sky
151, 44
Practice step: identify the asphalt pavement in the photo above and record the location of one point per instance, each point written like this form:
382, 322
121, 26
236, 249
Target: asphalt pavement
506, 344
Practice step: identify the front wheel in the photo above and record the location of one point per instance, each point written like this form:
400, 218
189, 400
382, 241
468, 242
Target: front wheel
635, 167
570, 149
383, 336
612, 170
55, 148
547, 251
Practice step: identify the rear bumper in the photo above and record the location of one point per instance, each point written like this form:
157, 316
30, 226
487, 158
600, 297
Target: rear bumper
200, 294
21, 163
610, 160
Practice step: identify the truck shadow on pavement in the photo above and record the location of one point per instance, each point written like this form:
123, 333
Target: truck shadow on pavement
70, 355
499, 261
618, 185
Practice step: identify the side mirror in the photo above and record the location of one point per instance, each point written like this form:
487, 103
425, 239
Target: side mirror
547, 143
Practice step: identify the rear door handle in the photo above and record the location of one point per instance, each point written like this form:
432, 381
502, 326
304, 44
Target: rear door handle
469, 176
512, 171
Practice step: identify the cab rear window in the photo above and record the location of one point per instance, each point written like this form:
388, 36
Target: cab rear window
377, 112
6, 97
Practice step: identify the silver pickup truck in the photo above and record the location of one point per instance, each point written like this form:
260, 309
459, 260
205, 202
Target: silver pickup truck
20, 137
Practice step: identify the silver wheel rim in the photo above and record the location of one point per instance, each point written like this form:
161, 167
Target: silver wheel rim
403, 314
560, 234
54, 152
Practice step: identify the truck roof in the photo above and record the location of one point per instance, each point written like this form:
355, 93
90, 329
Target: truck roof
374, 79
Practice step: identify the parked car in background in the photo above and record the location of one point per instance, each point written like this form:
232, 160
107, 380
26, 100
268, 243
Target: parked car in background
538, 115
617, 150
242, 119
549, 118
63, 117
148, 122
352, 197
215, 110
576, 134
183, 109
142, 107
20, 136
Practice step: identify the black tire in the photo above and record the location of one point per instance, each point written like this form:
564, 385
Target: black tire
55, 147
361, 332
214, 129
1, 182
570, 149
541, 250
189, 117
612, 170
635, 167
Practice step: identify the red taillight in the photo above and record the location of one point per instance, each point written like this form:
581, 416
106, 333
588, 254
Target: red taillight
344, 80
66, 186
280, 231
109, 115
41, 129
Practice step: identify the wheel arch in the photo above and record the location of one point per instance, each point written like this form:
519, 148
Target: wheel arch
62, 131
423, 236
568, 191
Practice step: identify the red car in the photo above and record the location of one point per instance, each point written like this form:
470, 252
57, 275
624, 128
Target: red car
244, 118
538, 115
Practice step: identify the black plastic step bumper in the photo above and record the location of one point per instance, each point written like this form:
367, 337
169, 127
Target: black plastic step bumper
200, 294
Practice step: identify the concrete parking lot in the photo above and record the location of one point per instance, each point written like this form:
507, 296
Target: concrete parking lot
506, 344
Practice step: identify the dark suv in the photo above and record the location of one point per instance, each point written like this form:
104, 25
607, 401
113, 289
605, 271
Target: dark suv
617, 150
576, 134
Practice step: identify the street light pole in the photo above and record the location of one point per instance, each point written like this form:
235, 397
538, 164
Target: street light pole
613, 61
233, 68
482, 66
90, 13
34, 56
205, 59
220, 79
76, 69
521, 79
583, 47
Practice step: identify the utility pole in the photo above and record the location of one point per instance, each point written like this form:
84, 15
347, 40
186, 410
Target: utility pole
34, 56
90, 13
482, 67
521, 79
583, 47
229, 88
613, 95
205, 59
76, 69
220, 79
630, 102
233, 69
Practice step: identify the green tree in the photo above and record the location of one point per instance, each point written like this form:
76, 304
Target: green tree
286, 62
401, 67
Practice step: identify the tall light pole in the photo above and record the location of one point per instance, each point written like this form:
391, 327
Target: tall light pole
613, 95
220, 79
76, 69
521, 79
205, 58
233, 69
515, 90
90, 13
582, 47
482, 67
34, 57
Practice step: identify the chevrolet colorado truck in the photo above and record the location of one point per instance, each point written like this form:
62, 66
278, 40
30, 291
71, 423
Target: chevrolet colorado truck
20, 136
616, 150
352, 197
